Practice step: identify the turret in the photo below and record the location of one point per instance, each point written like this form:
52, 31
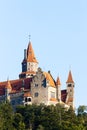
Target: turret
29, 63
8, 89
70, 90
58, 85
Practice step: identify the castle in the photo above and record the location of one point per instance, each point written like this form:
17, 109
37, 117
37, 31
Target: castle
35, 86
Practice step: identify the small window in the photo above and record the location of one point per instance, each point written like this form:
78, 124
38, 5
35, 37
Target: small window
36, 94
36, 85
69, 85
28, 68
52, 94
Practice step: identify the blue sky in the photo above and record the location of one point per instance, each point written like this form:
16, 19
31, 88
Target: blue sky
58, 30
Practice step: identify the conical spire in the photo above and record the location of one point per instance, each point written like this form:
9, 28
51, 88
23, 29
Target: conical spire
8, 85
30, 54
58, 83
30, 63
70, 79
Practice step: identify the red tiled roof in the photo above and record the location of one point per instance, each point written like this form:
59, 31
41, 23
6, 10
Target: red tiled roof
8, 85
2, 91
70, 79
49, 78
16, 85
27, 94
63, 95
30, 54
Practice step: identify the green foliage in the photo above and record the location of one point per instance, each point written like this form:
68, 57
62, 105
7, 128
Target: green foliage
17, 121
81, 110
41, 117
40, 127
6, 116
21, 126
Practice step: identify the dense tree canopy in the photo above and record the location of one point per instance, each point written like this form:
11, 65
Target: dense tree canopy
41, 117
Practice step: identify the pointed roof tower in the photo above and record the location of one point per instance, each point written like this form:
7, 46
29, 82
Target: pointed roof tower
58, 83
70, 79
8, 85
29, 63
30, 54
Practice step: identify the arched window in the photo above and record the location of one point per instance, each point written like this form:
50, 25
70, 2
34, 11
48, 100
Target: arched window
26, 99
36, 94
29, 99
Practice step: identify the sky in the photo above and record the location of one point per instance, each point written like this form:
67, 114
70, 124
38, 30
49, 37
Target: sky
58, 30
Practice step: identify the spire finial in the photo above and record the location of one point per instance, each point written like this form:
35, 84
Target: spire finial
29, 37
69, 67
8, 78
58, 81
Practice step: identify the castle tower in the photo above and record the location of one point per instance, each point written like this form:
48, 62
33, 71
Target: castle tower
70, 90
8, 89
58, 85
30, 63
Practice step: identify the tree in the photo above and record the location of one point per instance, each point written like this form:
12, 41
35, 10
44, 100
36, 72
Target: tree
40, 127
6, 116
82, 115
81, 110
21, 126
17, 120
42, 117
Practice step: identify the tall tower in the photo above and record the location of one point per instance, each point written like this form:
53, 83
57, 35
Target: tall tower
58, 85
70, 90
29, 63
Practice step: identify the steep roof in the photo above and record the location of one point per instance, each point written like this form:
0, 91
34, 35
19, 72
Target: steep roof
8, 85
49, 78
16, 85
58, 83
70, 79
30, 54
